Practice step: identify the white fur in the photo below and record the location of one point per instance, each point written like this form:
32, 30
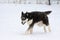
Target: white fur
40, 23
29, 22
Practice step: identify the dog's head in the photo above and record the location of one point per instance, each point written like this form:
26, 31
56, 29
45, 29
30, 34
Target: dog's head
24, 17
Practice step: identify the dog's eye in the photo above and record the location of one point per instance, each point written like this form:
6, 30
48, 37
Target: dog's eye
23, 18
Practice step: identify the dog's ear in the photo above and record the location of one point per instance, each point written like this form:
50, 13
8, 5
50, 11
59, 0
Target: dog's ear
27, 13
22, 13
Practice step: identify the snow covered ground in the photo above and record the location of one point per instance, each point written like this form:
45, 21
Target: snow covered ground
12, 29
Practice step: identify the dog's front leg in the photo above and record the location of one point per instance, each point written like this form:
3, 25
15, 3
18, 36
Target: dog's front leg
30, 29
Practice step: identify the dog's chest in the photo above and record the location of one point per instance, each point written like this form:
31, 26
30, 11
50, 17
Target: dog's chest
30, 22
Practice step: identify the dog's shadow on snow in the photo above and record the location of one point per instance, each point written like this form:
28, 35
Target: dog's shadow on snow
37, 33
40, 33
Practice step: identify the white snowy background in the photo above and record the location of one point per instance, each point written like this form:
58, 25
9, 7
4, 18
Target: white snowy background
30, 1
12, 29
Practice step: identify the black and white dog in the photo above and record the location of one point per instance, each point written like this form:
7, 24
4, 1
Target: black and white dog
35, 17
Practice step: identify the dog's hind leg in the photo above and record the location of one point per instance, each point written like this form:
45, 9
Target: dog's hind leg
49, 29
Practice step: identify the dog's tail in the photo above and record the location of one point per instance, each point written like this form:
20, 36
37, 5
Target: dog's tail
47, 12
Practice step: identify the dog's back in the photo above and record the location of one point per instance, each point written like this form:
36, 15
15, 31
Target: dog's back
39, 16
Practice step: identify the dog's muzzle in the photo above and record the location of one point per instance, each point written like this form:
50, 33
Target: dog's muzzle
24, 21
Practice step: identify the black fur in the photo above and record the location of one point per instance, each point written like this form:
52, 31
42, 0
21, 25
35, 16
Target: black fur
36, 16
